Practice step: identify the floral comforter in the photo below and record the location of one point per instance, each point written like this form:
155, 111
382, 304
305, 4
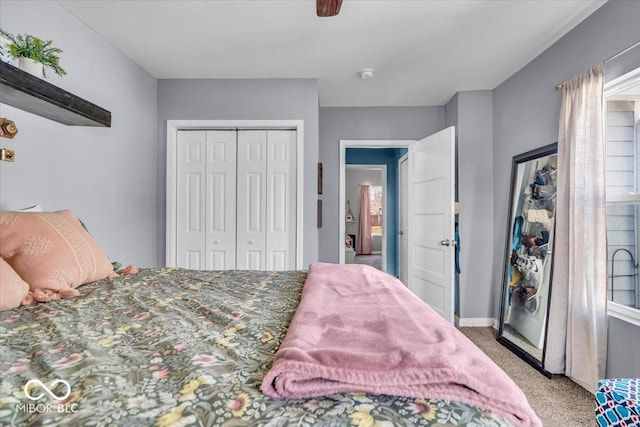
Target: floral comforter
174, 347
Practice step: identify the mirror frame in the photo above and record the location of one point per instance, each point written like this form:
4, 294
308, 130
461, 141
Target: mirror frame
516, 209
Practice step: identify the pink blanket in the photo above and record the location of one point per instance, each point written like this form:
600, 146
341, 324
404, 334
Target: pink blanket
358, 329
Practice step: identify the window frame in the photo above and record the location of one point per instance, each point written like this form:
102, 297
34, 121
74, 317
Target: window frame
623, 312
614, 309
381, 187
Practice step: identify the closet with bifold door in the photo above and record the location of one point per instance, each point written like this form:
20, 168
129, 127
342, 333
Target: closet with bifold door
236, 199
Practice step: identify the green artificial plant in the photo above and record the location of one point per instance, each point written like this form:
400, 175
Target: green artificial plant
28, 46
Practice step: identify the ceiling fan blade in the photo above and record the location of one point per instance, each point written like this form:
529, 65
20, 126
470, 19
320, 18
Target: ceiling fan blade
328, 7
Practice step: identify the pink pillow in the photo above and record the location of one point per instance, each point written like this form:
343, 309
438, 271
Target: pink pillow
14, 291
51, 250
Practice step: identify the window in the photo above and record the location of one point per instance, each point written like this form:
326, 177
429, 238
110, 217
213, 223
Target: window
375, 209
622, 123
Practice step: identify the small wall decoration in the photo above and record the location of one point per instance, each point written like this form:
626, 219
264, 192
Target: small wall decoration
348, 216
8, 130
319, 178
319, 213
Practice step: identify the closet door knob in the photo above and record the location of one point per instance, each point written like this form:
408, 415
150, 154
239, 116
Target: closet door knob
251, 242
217, 242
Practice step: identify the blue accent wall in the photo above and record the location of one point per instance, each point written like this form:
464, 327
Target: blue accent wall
388, 157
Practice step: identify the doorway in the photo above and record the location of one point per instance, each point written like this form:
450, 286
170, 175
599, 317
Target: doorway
373, 153
430, 212
366, 227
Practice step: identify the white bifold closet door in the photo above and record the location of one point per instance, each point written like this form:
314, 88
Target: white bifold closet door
206, 200
236, 199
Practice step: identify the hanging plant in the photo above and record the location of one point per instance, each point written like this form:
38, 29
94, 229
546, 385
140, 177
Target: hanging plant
36, 49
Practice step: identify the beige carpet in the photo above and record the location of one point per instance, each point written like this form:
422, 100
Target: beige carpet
559, 402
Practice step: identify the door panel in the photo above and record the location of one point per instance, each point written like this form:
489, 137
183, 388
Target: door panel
253, 198
217, 213
190, 237
251, 206
193, 260
278, 202
431, 223
278, 261
281, 203
193, 203
253, 260
221, 200
217, 260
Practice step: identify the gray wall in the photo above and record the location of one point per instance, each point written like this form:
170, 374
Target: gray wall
250, 99
623, 362
106, 176
472, 114
355, 123
526, 114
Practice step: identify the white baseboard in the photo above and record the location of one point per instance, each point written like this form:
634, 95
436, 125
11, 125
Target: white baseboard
477, 322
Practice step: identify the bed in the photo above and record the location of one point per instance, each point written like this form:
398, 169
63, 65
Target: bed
176, 347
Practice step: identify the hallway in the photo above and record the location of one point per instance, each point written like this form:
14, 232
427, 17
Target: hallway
372, 260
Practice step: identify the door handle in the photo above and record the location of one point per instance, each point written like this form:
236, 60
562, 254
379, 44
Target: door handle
401, 232
447, 242
251, 242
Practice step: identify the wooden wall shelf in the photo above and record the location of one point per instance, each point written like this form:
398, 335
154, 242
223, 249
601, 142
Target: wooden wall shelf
29, 93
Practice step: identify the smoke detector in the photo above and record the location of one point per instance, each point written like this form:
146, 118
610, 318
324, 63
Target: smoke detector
366, 73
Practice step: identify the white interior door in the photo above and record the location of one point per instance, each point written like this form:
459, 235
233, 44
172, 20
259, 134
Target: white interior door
251, 206
403, 243
431, 222
220, 199
281, 200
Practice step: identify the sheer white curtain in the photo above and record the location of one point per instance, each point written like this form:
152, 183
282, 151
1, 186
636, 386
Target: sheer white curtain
578, 318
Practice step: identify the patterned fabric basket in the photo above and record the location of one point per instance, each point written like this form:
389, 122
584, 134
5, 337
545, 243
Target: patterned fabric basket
618, 402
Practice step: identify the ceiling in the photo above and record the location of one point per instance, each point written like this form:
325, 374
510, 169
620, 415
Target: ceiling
423, 51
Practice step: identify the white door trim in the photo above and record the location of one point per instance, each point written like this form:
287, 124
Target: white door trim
349, 143
402, 255
173, 126
383, 177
